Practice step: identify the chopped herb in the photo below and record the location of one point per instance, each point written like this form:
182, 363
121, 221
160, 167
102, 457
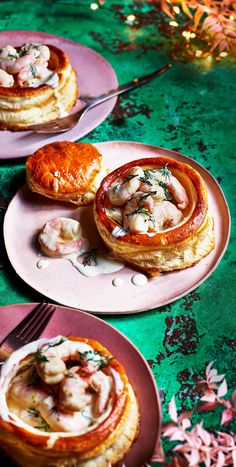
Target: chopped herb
89, 257
144, 180
164, 171
85, 415
12, 56
140, 210
115, 187
44, 426
33, 69
94, 356
55, 344
168, 196
129, 177
33, 411
117, 222
39, 357
22, 52
145, 195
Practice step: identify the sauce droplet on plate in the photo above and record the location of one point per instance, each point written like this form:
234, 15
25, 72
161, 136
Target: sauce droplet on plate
139, 279
43, 263
117, 282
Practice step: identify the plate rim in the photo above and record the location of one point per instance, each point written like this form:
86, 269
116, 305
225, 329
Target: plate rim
164, 302
98, 56
157, 449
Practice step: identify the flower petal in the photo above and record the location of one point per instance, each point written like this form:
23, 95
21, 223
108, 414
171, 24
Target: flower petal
226, 416
172, 410
222, 389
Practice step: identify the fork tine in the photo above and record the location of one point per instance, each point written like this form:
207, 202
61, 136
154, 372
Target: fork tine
26, 320
37, 327
44, 323
33, 320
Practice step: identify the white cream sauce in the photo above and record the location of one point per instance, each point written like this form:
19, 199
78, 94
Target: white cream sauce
139, 279
43, 263
103, 266
118, 282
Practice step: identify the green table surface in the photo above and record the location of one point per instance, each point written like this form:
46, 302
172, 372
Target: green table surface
190, 109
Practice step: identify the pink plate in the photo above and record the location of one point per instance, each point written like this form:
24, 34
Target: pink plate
67, 321
61, 282
95, 76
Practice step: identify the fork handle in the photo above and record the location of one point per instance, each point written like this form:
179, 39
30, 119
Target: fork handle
135, 83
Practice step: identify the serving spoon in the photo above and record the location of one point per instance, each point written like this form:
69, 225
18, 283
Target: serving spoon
67, 123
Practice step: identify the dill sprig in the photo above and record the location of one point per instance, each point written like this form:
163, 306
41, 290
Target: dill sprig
55, 344
129, 177
43, 425
168, 196
33, 411
139, 210
93, 356
164, 171
90, 256
39, 357
33, 69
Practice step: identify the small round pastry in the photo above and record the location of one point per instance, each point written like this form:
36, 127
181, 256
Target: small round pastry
66, 402
152, 214
37, 84
66, 171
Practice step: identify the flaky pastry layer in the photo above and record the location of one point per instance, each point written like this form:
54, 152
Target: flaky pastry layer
66, 171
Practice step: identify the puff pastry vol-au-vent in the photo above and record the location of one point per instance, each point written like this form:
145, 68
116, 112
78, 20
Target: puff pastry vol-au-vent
37, 84
153, 215
66, 171
66, 402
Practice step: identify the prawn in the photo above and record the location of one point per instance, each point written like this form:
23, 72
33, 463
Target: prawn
165, 215
36, 400
40, 53
6, 80
62, 236
159, 179
138, 213
8, 57
51, 367
77, 391
121, 192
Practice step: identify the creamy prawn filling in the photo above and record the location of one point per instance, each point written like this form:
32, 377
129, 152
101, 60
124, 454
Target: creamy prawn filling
66, 386
146, 200
26, 66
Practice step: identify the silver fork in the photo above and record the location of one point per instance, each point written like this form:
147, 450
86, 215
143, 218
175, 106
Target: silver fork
29, 329
66, 123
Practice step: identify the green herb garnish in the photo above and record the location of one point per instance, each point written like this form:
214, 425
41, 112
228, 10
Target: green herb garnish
55, 344
33, 69
39, 357
94, 356
164, 171
33, 411
139, 210
43, 426
89, 257
168, 196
